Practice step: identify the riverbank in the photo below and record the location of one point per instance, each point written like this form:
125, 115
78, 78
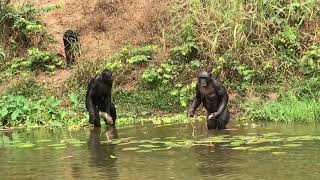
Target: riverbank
268, 61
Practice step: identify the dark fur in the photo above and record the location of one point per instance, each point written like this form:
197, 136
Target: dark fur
98, 98
214, 98
71, 46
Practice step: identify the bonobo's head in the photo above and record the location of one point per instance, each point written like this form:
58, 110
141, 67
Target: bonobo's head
106, 75
203, 78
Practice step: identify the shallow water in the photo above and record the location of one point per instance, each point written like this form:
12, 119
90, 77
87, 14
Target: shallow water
272, 151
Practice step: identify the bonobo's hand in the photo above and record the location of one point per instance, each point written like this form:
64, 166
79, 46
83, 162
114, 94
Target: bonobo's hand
107, 118
213, 115
190, 113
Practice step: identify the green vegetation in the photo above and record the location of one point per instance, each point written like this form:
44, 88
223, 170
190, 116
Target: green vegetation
36, 59
136, 55
255, 47
24, 40
298, 105
21, 111
287, 109
159, 76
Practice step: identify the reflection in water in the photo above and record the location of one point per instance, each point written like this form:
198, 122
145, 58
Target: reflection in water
102, 154
213, 158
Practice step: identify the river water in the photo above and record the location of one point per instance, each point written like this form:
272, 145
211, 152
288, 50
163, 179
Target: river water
268, 151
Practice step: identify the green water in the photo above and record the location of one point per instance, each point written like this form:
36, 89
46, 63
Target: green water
273, 151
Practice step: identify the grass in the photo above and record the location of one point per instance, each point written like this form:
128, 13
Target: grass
298, 105
289, 109
142, 103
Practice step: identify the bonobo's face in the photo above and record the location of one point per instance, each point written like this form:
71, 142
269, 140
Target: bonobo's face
203, 81
203, 78
106, 75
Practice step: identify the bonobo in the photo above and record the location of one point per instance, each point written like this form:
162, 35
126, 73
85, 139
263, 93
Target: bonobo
71, 45
98, 98
212, 94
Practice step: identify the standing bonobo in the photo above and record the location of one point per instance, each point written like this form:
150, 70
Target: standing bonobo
71, 46
212, 94
98, 98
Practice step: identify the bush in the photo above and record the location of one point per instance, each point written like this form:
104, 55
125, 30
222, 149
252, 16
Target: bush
157, 76
137, 55
17, 110
184, 94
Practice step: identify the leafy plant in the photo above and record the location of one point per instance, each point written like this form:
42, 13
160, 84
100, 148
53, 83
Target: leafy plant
137, 59
184, 93
137, 55
16, 110
288, 46
187, 48
23, 16
196, 64
162, 75
310, 61
36, 59
151, 75
41, 59
74, 99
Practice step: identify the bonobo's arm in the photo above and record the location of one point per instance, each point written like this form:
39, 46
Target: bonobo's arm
223, 95
107, 100
195, 103
89, 100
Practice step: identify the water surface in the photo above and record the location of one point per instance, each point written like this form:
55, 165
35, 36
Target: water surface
272, 151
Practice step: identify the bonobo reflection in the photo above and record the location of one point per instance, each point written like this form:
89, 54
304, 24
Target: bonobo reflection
213, 95
102, 153
98, 98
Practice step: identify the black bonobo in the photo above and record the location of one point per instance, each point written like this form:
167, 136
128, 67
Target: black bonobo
98, 98
212, 94
71, 45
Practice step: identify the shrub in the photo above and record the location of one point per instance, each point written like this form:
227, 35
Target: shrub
162, 75
137, 55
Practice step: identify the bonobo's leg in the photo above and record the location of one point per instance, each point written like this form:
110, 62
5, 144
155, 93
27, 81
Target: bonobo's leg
223, 119
96, 119
211, 123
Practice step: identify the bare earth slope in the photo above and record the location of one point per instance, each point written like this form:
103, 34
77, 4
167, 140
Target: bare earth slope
103, 25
